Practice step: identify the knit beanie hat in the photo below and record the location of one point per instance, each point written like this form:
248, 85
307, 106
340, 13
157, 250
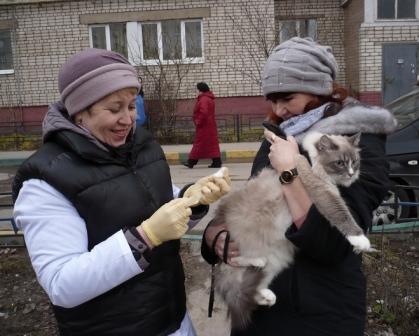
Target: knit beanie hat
300, 65
92, 74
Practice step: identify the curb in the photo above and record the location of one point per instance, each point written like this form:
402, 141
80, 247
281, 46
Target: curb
172, 157
226, 156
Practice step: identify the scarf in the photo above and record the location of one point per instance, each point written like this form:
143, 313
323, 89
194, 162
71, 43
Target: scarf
300, 123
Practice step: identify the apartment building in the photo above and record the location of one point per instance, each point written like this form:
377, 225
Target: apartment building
222, 42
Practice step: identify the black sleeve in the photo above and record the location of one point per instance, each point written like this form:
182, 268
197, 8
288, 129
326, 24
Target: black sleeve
261, 159
199, 210
316, 238
206, 252
138, 247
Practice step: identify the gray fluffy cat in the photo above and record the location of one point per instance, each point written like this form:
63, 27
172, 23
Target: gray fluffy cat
257, 217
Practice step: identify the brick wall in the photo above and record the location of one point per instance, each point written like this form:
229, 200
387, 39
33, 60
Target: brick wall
48, 33
372, 38
329, 16
370, 97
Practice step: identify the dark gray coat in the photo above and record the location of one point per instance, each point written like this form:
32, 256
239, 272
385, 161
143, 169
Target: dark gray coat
324, 291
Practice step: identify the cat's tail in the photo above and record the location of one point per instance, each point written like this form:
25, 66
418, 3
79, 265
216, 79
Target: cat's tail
240, 299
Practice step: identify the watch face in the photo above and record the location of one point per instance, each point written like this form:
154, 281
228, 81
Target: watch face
287, 176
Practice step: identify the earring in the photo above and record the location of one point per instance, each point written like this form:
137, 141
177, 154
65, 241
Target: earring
79, 121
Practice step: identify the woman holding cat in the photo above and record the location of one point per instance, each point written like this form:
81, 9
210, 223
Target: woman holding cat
96, 206
323, 291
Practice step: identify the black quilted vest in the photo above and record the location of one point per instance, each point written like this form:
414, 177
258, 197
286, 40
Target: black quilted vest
111, 192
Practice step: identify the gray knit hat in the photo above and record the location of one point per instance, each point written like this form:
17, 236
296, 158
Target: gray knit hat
300, 65
92, 74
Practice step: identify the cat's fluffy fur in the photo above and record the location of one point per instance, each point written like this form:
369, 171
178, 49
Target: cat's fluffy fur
257, 218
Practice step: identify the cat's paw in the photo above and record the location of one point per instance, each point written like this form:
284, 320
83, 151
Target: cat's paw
360, 243
246, 262
265, 297
259, 262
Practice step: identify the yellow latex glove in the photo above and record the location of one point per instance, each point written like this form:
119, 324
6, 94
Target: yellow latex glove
209, 189
169, 222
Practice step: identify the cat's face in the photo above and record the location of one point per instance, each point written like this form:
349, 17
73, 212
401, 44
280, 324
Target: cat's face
339, 156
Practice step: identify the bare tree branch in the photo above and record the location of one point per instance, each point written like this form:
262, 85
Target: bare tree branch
254, 31
164, 74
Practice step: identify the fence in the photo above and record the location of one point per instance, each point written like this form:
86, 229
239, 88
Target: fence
9, 233
181, 130
400, 224
231, 128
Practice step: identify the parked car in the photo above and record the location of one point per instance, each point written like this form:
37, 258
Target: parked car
403, 154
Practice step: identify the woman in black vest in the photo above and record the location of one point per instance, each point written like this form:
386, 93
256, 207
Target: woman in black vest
96, 206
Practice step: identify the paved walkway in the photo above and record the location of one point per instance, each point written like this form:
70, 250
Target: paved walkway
232, 152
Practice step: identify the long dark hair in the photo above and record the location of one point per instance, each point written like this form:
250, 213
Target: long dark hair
338, 95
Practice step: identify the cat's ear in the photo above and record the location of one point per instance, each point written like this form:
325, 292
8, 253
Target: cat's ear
354, 139
325, 143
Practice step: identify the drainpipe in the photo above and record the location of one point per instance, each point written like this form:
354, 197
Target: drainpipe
18, 72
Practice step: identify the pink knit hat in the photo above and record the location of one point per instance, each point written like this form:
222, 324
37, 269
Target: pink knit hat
92, 74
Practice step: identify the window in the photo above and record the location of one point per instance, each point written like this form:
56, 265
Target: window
396, 9
110, 36
301, 28
6, 55
193, 39
171, 40
168, 40
150, 42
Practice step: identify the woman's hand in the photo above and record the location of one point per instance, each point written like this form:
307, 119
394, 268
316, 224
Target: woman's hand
209, 189
169, 222
283, 156
233, 248
283, 152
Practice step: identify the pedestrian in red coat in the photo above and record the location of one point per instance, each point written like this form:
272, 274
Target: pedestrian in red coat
205, 144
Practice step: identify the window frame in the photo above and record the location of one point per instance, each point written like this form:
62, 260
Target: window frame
160, 60
191, 59
134, 38
107, 27
139, 41
107, 34
296, 20
12, 70
395, 19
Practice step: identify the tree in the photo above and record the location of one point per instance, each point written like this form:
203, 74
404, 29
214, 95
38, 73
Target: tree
163, 64
254, 31
257, 27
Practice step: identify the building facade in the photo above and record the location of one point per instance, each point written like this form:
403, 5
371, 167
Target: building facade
381, 48
222, 42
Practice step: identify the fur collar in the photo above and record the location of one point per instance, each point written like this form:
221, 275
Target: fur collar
57, 119
355, 117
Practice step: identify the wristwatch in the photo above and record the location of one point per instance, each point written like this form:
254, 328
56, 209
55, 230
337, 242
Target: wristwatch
287, 176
